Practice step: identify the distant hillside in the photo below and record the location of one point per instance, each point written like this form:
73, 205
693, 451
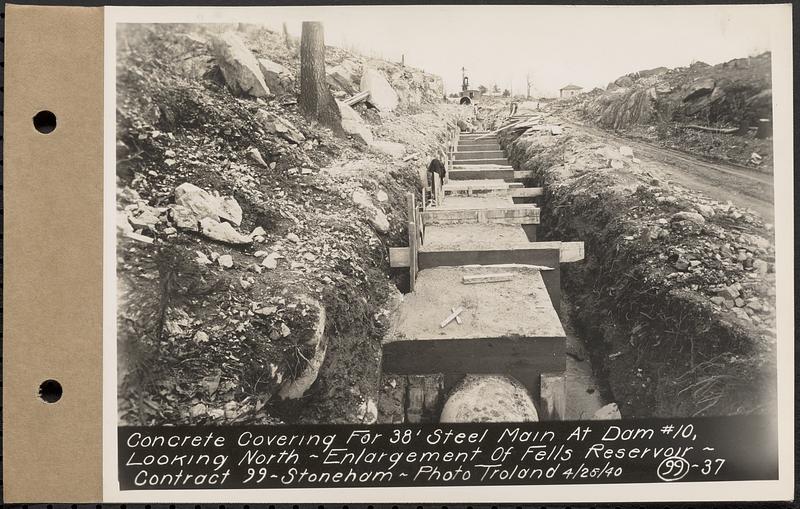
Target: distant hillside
674, 106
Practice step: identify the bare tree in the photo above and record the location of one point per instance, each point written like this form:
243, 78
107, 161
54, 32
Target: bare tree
287, 39
316, 100
529, 83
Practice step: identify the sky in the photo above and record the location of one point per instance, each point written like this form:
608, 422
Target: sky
554, 45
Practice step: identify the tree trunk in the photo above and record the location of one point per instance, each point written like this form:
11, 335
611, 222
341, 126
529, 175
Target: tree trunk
287, 39
316, 100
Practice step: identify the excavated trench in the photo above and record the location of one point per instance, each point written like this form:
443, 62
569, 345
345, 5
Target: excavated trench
442, 398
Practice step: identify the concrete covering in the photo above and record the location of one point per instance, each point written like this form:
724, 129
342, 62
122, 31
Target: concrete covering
475, 202
491, 244
478, 154
511, 309
481, 398
454, 237
468, 147
508, 328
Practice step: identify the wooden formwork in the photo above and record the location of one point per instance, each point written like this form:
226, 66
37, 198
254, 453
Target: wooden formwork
490, 219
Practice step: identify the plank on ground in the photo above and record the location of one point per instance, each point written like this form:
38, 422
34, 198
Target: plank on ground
487, 278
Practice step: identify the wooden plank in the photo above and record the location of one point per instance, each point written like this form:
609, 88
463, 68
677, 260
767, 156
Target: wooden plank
460, 166
423, 398
571, 251
472, 162
412, 240
487, 278
451, 317
480, 186
518, 214
419, 226
357, 98
523, 174
479, 173
526, 192
553, 397
415, 399
399, 257
523, 358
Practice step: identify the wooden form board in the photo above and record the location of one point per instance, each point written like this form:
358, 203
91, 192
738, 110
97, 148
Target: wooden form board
477, 173
414, 238
568, 252
513, 214
523, 358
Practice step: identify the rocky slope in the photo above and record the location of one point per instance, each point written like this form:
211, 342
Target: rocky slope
252, 244
671, 106
675, 298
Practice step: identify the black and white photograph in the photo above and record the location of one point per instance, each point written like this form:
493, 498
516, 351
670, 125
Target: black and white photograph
410, 215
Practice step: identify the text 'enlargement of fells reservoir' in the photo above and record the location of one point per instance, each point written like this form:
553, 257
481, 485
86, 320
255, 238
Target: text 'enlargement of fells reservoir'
253, 457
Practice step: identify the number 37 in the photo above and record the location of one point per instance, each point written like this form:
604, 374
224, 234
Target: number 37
708, 466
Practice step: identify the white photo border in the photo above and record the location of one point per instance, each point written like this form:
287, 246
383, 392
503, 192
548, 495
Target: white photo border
779, 17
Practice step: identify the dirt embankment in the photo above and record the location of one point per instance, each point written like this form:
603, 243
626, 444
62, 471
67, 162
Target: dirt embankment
672, 107
675, 298
252, 246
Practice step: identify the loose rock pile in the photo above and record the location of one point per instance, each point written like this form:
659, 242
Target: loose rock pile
251, 241
678, 289
668, 106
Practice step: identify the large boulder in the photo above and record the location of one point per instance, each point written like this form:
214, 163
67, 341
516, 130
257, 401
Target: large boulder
390, 148
657, 71
760, 105
229, 210
381, 93
489, 398
376, 217
276, 76
699, 88
239, 66
609, 412
339, 77
203, 204
350, 69
354, 125
624, 81
183, 217
294, 389
280, 126
693, 217
199, 201
222, 232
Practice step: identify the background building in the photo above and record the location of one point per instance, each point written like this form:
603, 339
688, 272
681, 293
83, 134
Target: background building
570, 90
